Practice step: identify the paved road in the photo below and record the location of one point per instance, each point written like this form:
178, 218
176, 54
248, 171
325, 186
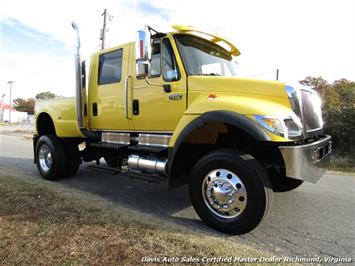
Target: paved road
313, 220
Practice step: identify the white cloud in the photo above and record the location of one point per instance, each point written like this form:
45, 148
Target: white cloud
299, 37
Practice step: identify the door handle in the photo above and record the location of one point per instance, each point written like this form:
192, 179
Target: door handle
135, 107
94, 109
167, 88
126, 95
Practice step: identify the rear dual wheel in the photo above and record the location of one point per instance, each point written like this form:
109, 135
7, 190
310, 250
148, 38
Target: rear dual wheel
230, 191
56, 158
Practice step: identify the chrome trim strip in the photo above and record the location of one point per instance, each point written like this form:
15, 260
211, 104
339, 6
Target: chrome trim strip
154, 140
140, 87
306, 162
126, 95
316, 129
117, 138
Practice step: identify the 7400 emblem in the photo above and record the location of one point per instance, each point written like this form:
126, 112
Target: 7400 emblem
175, 97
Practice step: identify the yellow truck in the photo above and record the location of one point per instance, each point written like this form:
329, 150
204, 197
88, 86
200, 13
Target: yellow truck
171, 105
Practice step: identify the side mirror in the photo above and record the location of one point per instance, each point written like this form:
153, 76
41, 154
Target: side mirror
143, 53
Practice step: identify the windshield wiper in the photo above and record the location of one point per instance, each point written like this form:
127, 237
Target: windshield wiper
211, 74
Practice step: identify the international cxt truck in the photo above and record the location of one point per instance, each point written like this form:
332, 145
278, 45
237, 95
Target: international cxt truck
171, 105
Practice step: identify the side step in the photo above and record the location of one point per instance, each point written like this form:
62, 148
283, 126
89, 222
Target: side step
108, 145
116, 146
134, 175
145, 177
154, 149
104, 169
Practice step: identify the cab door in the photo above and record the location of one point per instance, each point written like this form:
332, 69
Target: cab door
159, 102
107, 93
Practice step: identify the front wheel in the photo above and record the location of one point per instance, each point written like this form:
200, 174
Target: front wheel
230, 191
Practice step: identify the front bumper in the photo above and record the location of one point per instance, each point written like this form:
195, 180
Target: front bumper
306, 162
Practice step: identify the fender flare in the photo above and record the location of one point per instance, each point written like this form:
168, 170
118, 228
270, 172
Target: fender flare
232, 118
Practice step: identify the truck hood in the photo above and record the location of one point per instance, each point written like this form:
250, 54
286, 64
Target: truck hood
236, 85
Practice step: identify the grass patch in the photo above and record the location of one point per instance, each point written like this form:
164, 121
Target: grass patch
45, 223
342, 164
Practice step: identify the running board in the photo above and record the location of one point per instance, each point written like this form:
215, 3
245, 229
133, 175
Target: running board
154, 149
134, 175
107, 145
145, 177
116, 146
104, 169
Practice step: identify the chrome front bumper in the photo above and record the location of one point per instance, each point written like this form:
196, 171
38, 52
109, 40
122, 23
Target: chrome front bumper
306, 162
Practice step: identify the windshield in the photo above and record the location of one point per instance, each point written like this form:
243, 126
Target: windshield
202, 57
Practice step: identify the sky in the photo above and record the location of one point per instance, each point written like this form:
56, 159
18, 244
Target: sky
299, 37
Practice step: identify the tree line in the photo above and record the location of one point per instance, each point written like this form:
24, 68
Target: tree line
28, 105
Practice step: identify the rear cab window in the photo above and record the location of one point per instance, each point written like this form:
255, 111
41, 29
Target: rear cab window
110, 67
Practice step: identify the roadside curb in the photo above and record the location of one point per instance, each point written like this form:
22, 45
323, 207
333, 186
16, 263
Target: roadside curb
27, 135
331, 172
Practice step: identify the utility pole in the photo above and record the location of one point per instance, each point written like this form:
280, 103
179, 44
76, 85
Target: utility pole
277, 74
2, 109
10, 82
104, 30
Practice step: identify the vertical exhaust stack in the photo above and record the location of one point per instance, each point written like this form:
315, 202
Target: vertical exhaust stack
78, 76
80, 90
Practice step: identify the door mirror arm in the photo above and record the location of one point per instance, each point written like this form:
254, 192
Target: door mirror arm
167, 87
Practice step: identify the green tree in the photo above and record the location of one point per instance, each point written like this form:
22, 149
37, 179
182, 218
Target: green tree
45, 95
346, 91
24, 105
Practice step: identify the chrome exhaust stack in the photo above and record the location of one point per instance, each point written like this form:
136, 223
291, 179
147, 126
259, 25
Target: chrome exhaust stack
152, 165
79, 76
80, 90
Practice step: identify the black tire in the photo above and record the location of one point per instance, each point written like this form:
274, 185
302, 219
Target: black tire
285, 184
72, 158
56, 169
113, 161
255, 182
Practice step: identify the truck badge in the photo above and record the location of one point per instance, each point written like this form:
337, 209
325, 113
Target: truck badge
175, 97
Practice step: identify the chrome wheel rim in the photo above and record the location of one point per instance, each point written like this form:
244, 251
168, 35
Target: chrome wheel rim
224, 193
45, 158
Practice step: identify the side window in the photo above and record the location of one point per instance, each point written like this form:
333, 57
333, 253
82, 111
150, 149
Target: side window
155, 61
170, 68
110, 67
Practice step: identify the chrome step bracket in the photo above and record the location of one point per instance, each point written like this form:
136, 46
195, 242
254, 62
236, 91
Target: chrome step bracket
134, 175
145, 177
104, 169
107, 145
155, 149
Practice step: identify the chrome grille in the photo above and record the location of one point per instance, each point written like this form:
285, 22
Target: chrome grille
311, 110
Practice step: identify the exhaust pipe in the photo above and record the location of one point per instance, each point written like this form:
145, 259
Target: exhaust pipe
152, 165
79, 88
78, 75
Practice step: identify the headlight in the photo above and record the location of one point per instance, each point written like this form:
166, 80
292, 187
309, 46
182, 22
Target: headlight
284, 126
